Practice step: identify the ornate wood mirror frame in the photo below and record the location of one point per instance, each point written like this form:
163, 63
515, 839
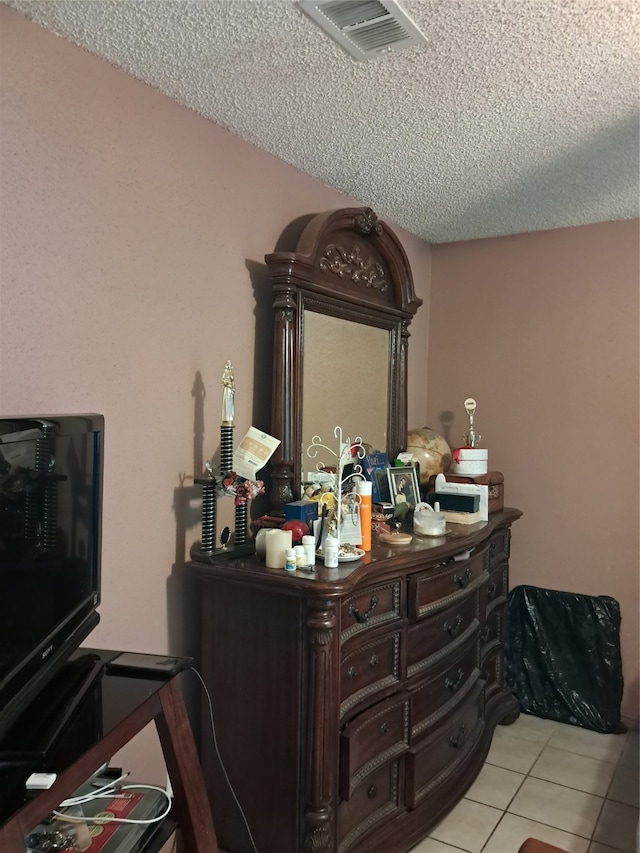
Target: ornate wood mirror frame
346, 264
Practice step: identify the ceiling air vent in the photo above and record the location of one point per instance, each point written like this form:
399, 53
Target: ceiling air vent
367, 29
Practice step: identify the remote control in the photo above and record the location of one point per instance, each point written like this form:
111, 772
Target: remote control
151, 666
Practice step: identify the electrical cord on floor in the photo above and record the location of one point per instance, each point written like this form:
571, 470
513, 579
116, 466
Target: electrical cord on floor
217, 751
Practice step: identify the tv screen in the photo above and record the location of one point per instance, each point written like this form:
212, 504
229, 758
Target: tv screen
50, 526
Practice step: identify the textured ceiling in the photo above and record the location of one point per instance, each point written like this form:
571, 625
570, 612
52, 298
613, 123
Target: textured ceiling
518, 115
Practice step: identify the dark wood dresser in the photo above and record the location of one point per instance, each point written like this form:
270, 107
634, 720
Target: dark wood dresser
354, 707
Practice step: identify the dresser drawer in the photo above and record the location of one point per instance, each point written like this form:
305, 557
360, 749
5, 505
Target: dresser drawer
491, 632
372, 739
499, 546
368, 668
376, 798
370, 608
493, 672
445, 584
431, 639
495, 590
440, 755
440, 695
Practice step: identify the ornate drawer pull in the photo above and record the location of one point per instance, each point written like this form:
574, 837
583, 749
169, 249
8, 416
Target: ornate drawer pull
372, 792
363, 617
452, 685
383, 728
485, 633
493, 547
459, 739
463, 580
373, 660
351, 673
491, 589
453, 629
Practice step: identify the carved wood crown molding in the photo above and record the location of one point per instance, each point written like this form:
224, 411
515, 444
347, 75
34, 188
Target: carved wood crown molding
367, 221
343, 263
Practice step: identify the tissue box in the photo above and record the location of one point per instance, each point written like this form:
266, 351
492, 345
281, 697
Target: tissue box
306, 511
493, 479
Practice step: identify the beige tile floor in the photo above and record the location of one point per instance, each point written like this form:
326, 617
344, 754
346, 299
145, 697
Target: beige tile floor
563, 784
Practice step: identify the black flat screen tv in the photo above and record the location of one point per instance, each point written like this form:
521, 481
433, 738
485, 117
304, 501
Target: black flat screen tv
50, 541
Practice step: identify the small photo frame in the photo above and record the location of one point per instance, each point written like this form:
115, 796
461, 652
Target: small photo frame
403, 485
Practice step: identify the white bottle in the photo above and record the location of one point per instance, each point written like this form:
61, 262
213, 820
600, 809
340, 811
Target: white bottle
300, 558
309, 545
331, 552
290, 560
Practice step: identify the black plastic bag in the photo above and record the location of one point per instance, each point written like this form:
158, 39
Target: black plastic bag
563, 657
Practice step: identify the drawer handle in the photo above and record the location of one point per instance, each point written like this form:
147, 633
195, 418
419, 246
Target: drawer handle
493, 548
452, 685
459, 739
384, 728
491, 589
372, 792
484, 634
363, 617
463, 580
373, 660
453, 629
351, 673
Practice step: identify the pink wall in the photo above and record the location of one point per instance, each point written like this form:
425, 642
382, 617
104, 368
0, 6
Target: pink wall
133, 235
542, 329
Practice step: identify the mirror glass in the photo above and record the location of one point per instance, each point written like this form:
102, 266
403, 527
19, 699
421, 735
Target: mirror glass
345, 383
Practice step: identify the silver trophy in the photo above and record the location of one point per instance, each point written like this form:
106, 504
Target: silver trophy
471, 438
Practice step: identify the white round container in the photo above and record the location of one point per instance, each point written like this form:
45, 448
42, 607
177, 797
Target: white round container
428, 521
472, 461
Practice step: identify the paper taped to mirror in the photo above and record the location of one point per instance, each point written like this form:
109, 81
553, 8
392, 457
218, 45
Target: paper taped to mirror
253, 453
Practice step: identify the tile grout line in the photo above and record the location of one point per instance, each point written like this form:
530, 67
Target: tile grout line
588, 838
505, 810
544, 744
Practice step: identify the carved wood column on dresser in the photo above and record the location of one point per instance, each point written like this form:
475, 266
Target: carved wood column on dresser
355, 706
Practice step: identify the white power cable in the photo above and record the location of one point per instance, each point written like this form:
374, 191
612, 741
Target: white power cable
109, 789
219, 757
104, 793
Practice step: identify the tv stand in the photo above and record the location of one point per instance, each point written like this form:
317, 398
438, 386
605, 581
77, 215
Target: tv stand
115, 708
33, 736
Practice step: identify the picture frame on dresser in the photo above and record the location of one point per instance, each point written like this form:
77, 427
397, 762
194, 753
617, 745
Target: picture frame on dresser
403, 485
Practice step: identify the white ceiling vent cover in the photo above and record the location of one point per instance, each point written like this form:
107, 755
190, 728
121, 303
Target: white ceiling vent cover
367, 29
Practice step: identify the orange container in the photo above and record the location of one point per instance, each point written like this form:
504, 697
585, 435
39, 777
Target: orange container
363, 489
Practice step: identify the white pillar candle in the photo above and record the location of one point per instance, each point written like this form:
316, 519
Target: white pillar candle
277, 542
